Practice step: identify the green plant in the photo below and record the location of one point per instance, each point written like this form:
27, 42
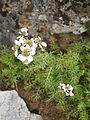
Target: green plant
87, 24
48, 70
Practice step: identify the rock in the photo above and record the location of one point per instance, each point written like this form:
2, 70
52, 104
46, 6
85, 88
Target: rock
76, 29
12, 107
61, 16
35, 117
85, 19
43, 18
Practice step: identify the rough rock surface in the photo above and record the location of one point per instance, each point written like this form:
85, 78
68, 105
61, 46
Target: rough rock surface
43, 17
12, 107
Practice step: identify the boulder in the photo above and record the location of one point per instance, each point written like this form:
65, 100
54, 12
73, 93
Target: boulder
12, 107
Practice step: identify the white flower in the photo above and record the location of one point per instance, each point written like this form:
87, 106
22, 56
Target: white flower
40, 43
68, 89
25, 59
24, 31
25, 48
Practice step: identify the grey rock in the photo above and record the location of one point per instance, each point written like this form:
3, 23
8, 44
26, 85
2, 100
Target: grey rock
36, 117
75, 28
43, 18
36, 12
12, 107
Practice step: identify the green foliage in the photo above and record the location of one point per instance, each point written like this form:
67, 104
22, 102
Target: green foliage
48, 70
87, 24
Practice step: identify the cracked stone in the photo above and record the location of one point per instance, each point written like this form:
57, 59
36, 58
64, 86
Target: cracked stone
12, 107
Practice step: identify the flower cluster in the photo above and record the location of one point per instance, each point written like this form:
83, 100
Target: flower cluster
25, 48
68, 89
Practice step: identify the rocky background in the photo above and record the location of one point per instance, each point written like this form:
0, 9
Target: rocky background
54, 20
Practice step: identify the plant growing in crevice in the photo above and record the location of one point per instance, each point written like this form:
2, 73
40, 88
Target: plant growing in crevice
48, 70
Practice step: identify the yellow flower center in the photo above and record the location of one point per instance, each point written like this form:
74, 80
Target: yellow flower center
23, 33
16, 47
25, 53
38, 41
29, 42
67, 88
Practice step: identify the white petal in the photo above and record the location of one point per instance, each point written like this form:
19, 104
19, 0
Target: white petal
39, 37
59, 87
30, 58
25, 47
44, 44
67, 94
71, 94
35, 45
68, 85
64, 89
12, 48
40, 46
16, 53
21, 48
19, 36
33, 51
71, 88
21, 40
63, 86
24, 29
21, 57
17, 42
26, 34
32, 39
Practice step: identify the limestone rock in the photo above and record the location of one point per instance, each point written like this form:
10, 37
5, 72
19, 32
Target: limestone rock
12, 107
35, 117
43, 18
61, 16
76, 29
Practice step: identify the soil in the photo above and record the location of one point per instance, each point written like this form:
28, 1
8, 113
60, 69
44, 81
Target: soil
47, 110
